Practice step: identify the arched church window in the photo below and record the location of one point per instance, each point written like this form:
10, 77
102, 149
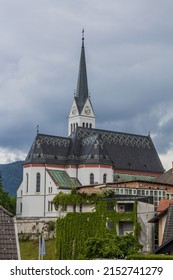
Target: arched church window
71, 128
27, 181
91, 179
38, 182
87, 125
83, 124
104, 178
90, 125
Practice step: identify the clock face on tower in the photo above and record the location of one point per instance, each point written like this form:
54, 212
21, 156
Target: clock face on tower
74, 110
87, 110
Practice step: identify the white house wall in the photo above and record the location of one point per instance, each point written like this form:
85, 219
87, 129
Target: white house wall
144, 214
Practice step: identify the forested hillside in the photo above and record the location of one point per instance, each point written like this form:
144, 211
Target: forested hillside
11, 174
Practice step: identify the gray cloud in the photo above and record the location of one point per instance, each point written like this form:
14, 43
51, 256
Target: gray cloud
129, 61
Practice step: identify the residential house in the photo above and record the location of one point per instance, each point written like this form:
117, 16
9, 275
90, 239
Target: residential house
118, 214
164, 222
9, 246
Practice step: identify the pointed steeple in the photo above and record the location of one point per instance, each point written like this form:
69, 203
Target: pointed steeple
82, 84
81, 112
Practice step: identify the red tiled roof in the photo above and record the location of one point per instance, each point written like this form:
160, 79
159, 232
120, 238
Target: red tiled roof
164, 204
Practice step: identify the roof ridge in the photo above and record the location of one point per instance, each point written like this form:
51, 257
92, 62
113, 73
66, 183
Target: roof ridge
111, 131
6, 211
54, 136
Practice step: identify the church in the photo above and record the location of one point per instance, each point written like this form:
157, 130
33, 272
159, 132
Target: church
87, 156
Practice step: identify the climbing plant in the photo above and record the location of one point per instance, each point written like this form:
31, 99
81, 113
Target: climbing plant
75, 228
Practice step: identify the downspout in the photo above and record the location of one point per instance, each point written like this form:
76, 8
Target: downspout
76, 171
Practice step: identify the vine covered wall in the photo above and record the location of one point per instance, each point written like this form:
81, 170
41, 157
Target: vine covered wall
75, 228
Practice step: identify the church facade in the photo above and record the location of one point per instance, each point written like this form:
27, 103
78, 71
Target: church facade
87, 156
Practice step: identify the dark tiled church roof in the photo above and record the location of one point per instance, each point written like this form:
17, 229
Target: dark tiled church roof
49, 149
8, 244
93, 146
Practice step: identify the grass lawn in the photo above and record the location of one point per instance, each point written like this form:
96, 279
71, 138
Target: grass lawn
29, 250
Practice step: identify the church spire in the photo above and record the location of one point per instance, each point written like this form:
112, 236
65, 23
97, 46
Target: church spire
82, 84
81, 113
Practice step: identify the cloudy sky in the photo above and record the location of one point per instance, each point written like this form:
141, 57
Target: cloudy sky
129, 54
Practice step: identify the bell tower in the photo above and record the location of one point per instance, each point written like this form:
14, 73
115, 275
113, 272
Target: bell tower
81, 113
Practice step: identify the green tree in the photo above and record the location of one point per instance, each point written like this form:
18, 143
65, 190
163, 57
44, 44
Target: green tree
111, 247
7, 201
128, 244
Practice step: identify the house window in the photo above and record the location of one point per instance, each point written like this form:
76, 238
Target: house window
80, 207
38, 182
126, 207
134, 191
104, 178
143, 192
110, 206
91, 179
125, 228
27, 181
121, 208
109, 225
50, 206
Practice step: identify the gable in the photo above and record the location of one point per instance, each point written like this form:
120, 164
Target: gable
88, 109
74, 110
49, 149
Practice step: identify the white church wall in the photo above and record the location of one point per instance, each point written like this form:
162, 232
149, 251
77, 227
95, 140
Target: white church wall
84, 174
32, 178
49, 207
72, 171
33, 205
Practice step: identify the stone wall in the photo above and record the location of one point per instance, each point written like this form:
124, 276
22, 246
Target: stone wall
31, 228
